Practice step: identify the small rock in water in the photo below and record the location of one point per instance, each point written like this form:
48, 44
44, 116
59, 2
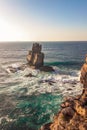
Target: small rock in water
46, 68
73, 86
50, 82
29, 75
14, 68
69, 89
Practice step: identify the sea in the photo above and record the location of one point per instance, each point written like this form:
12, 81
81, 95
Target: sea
30, 102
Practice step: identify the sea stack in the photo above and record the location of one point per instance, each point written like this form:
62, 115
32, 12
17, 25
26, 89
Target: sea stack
35, 57
73, 113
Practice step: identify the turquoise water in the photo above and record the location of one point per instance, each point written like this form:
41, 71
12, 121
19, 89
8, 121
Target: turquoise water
36, 110
29, 102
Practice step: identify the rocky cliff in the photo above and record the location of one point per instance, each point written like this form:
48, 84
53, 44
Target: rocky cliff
83, 78
73, 113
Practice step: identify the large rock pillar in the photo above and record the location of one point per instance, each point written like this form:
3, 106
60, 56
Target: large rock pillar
35, 57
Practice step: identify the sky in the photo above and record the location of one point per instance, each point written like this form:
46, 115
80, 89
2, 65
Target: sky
43, 20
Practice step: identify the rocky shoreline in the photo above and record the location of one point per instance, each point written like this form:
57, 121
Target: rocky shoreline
73, 113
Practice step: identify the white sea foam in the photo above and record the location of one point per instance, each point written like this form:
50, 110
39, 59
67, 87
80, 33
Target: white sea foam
41, 82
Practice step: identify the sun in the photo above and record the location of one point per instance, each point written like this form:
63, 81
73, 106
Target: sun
10, 31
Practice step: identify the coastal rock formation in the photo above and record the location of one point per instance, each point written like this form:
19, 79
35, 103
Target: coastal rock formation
35, 60
83, 78
35, 57
73, 113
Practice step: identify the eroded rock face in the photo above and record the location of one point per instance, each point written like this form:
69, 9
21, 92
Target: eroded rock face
73, 113
83, 78
35, 57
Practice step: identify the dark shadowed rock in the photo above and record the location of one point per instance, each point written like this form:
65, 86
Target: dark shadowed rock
15, 68
46, 127
46, 68
68, 112
50, 82
29, 75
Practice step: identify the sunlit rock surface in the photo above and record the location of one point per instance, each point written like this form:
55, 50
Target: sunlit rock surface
35, 57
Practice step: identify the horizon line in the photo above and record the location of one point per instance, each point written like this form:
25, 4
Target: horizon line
46, 41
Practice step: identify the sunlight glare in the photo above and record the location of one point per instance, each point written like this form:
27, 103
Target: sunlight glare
9, 31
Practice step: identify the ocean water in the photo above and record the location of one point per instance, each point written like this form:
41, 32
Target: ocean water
29, 102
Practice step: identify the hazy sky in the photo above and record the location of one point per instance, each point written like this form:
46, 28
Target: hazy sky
43, 20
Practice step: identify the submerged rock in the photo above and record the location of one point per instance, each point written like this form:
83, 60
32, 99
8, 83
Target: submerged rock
50, 82
14, 68
29, 75
73, 115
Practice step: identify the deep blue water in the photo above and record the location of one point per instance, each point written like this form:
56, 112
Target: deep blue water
33, 103
57, 52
